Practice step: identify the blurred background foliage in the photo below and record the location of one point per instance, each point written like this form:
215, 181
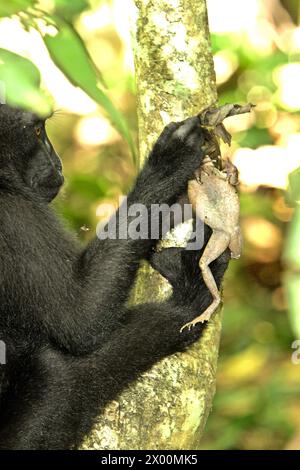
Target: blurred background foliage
76, 57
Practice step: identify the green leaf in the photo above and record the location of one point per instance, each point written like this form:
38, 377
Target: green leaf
68, 9
255, 137
292, 284
219, 42
293, 191
292, 247
14, 6
88, 186
20, 83
291, 258
69, 53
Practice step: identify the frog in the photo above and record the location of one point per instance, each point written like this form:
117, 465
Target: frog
214, 198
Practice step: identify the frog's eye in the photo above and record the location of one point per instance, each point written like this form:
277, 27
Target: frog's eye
38, 131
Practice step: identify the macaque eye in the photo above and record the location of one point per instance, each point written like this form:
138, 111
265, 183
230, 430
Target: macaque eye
38, 131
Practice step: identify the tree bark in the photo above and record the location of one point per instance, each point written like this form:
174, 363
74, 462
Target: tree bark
168, 407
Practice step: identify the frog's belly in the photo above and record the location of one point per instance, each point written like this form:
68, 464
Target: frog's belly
216, 216
215, 202
213, 223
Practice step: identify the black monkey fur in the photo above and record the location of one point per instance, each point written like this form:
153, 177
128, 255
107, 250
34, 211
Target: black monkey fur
72, 344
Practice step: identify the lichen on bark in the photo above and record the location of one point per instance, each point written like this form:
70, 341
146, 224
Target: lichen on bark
168, 407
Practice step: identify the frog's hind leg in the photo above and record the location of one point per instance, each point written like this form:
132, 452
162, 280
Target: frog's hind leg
235, 244
216, 245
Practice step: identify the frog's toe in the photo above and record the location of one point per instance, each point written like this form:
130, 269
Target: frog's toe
202, 318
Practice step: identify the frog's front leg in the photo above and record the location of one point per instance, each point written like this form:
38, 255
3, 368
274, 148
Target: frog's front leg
215, 247
205, 168
231, 172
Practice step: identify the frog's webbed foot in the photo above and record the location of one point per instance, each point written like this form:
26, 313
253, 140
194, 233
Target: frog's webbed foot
205, 316
231, 172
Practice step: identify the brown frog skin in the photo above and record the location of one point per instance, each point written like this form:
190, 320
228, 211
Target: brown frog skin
215, 200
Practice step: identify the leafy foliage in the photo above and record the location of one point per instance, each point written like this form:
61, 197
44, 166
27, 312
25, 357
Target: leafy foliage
21, 81
257, 400
69, 9
293, 192
292, 253
70, 54
14, 6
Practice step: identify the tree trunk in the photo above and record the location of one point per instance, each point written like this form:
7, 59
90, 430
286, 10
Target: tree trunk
168, 407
